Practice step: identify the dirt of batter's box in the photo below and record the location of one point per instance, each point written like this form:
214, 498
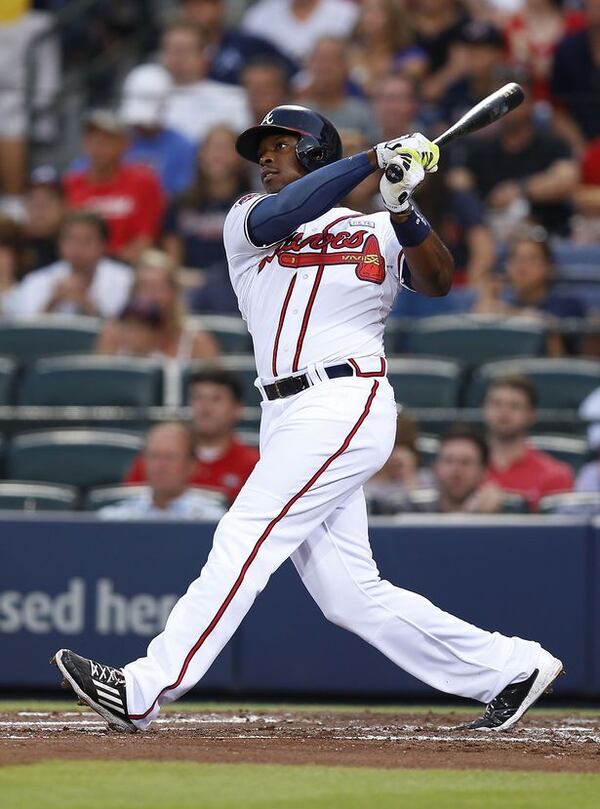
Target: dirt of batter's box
565, 743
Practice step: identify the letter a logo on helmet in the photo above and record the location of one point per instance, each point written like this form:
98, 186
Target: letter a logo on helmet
318, 145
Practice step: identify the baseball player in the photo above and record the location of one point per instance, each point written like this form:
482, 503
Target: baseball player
315, 283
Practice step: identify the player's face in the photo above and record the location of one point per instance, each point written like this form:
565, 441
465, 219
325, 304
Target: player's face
458, 469
507, 413
279, 165
215, 412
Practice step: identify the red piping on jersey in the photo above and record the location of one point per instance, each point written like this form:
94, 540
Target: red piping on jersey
368, 374
280, 326
313, 295
238, 582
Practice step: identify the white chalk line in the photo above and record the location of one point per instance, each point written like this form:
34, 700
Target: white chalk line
576, 734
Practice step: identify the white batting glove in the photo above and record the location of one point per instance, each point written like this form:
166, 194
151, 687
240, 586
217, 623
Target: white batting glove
396, 195
423, 150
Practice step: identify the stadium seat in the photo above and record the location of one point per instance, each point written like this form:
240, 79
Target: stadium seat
8, 370
26, 339
242, 365
569, 449
428, 446
81, 458
473, 339
396, 334
101, 496
425, 382
22, 495
230, 331
583, 504
91, 380
560, 383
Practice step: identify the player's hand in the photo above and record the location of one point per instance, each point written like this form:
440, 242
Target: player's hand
396, 195
416, 144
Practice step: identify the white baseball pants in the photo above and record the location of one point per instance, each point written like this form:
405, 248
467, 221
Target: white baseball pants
304, 499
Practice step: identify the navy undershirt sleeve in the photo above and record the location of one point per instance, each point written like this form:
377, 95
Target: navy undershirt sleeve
276, 217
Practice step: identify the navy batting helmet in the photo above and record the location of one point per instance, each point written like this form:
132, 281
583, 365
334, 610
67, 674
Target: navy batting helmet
319, 142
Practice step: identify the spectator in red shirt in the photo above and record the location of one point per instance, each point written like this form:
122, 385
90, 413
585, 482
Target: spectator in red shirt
128, 196
222, 460
509, 411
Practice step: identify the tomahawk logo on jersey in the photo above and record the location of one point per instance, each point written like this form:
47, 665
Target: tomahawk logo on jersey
320, 295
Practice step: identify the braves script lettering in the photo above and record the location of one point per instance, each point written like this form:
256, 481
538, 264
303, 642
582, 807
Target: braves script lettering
368, 261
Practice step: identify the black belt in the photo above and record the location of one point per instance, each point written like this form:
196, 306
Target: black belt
295, 384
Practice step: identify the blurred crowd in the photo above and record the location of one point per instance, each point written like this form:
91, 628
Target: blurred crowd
160, 169
129, 229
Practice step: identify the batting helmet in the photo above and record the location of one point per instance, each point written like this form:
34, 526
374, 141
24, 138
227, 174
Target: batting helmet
319, 142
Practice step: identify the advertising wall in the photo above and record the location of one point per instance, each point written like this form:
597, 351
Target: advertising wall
106, 589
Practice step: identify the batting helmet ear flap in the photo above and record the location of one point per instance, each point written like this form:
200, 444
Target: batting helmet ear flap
318, 145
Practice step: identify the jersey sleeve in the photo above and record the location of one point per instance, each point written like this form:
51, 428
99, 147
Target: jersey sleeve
235, 229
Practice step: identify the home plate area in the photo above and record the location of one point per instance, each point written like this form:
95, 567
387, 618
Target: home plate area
540, 742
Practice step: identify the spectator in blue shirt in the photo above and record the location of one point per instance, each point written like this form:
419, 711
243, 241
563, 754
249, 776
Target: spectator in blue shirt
171, 155
231, 48
529, 291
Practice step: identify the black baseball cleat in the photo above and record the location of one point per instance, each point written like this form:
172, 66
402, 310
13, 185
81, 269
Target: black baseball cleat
99, 686
513, 701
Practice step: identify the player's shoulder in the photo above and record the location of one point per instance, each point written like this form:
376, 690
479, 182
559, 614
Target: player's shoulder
241, 208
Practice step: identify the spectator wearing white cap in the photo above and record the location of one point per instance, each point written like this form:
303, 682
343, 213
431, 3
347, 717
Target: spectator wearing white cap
172, 156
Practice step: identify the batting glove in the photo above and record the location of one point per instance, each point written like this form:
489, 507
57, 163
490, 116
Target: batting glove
410, 173
424, 150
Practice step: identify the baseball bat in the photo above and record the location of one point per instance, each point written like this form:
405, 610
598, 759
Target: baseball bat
496, 105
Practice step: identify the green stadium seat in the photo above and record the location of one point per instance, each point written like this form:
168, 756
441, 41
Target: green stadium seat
569, 449
26, 339
81, 458
101, 496
425, 382
428, 447
583, 504
242, 365
92, 380
23, 495
8, 371
230, 331
396, 335
474, 339
560, 383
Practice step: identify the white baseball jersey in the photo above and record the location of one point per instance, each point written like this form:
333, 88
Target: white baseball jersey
320, 296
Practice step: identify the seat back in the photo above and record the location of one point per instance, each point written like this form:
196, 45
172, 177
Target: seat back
81, 458
101, 496
560, 383
26, 339
91, 380
8, 371
230, 331
242, 365
569, 449
473, 339
425, 382
22, 495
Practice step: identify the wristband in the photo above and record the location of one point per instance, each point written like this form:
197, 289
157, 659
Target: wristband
413, 231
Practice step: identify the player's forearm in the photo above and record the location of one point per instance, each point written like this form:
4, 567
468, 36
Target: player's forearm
430, 263
277, 216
